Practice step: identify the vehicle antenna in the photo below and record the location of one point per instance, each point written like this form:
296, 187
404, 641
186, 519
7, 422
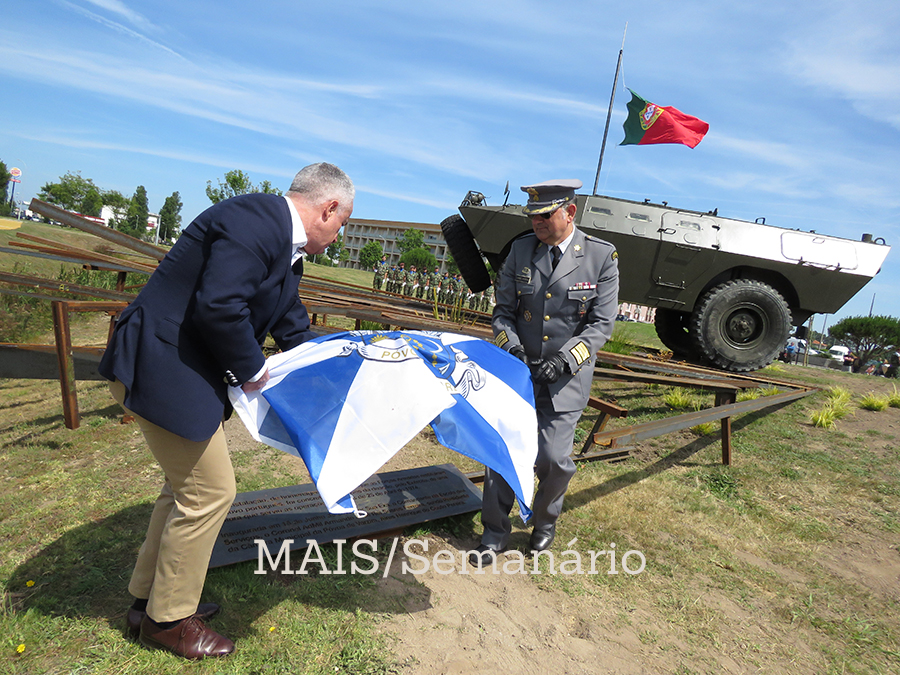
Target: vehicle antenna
612, 99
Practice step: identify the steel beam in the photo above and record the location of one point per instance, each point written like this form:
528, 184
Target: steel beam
54, 212
640, 432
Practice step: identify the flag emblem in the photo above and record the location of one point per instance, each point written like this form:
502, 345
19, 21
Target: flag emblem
649, 115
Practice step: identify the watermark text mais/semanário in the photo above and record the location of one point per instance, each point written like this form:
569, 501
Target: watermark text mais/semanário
360, 558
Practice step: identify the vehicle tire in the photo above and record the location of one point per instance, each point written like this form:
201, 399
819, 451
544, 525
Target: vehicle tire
673, 328
465, 252
741, 325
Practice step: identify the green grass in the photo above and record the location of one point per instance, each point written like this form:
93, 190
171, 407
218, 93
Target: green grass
750, 567
73, 508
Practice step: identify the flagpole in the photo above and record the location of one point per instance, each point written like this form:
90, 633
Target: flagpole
612, 99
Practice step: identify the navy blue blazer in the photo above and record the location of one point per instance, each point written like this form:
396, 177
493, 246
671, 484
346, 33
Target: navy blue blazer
201, 320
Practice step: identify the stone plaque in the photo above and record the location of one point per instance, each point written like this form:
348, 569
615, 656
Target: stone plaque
392, 500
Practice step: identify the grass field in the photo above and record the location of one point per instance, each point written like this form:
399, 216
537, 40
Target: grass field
754, 557
785, 562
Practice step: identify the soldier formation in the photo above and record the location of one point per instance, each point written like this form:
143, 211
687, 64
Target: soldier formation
446, 288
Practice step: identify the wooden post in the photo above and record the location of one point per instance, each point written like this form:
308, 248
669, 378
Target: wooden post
66, 363
726, 398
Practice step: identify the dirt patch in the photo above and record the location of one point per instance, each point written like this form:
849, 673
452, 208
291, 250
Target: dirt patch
482, 622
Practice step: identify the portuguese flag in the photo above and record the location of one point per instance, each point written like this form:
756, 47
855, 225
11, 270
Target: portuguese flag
649, 123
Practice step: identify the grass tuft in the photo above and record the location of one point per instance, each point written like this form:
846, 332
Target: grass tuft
705, 428
825, 418
679, 398
894, 398
872, 401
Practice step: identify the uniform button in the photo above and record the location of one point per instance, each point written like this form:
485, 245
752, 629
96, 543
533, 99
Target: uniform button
583, 298
546, 338
520, 292
548, 296
547, 317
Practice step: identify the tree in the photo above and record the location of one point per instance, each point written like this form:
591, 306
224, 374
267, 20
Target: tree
422, 258
237, 183
410, 240
369, 255
118, 204
170, 217
138, 212
867, 336
92, 203
452, 267
336, 251
69, 193
5, 177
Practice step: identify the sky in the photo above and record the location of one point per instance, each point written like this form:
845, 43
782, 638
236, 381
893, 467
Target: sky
421, 102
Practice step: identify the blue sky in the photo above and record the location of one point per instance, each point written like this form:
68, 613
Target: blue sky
421, 102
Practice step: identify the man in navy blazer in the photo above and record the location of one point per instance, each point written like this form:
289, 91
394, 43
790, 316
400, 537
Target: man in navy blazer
195, 328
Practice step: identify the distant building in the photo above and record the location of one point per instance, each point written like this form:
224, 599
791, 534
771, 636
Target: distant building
108, 213
386, 233
638, 312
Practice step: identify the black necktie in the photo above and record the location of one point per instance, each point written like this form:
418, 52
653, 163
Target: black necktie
557, 254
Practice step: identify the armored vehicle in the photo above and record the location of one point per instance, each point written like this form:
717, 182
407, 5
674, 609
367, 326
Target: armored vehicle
726, 291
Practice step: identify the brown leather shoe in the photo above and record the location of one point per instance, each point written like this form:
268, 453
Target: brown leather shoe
189, 638
205, 610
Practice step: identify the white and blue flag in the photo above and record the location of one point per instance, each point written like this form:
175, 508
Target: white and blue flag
346, 403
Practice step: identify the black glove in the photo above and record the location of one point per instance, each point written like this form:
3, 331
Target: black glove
519, 352
551, 369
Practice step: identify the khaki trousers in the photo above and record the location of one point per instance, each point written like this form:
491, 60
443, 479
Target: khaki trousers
198, 491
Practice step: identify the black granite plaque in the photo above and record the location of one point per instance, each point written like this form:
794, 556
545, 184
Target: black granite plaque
392, 500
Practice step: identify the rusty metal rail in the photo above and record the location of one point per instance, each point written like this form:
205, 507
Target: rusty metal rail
54, 212
725, 387
358, 303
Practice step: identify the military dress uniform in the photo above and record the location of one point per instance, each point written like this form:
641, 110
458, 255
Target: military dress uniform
567, 310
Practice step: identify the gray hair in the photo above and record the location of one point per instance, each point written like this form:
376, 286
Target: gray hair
323, 182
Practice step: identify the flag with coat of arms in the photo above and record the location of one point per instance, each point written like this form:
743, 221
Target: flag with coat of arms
348, 402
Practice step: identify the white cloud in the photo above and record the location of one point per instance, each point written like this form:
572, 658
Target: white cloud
118, 27
854, 55
117, 7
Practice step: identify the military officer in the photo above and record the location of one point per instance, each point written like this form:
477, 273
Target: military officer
487, 298
400, 279
555, 307
435, 284
379, 270
424, 284
412, 279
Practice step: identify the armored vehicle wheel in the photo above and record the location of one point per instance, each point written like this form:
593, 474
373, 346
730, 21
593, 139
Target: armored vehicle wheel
462, 245
741, 325
673, 329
